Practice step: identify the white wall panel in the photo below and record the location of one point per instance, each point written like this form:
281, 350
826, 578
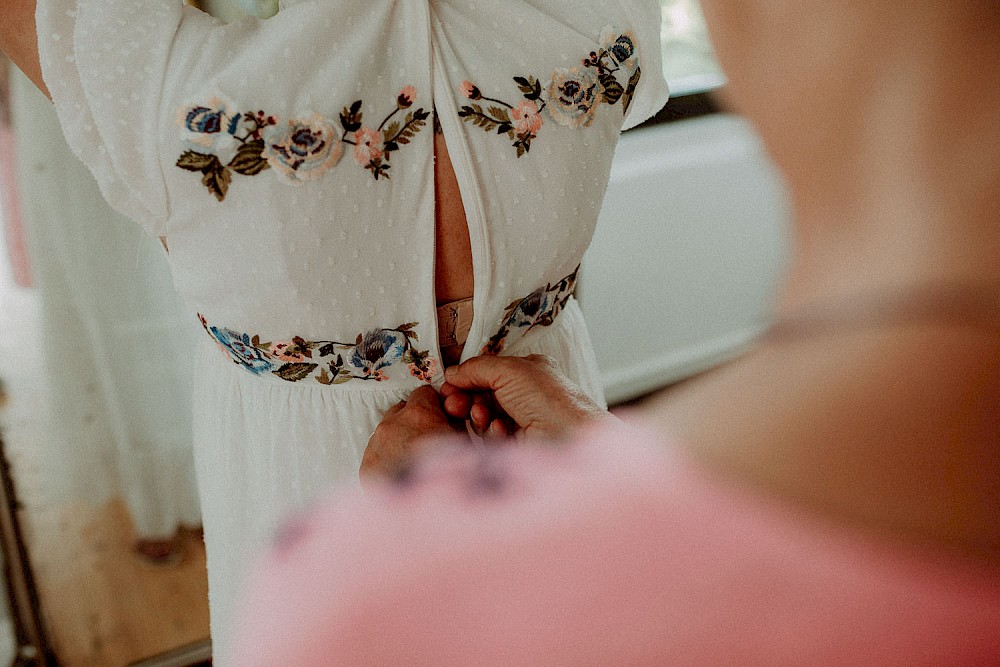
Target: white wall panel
691, 240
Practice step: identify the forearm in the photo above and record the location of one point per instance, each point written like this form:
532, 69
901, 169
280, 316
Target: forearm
19, 38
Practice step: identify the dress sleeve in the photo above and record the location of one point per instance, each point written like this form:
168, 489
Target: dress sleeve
105, 64
651, 93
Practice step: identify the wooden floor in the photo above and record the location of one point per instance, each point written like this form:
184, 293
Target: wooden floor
104, 606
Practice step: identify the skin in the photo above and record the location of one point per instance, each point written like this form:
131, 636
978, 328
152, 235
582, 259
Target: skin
403, 432
892, 429
525, 397
18, 39
453, 268
453, 263
893, 169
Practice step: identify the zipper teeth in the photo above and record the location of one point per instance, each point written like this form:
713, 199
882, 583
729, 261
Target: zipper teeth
472, 202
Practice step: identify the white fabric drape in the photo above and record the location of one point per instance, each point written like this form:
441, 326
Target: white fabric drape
117, 341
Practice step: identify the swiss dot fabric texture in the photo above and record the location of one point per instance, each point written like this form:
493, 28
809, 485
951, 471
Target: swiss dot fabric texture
289, 164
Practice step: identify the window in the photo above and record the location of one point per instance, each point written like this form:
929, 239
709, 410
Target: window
688, 60
689, 63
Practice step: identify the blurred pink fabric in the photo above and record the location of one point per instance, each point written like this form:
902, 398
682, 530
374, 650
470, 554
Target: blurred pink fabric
612, 551
10, 210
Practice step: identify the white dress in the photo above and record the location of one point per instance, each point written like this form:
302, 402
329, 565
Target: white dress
289, 165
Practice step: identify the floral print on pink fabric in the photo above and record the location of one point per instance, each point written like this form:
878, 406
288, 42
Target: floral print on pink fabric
372, 356
571, 97
220, 140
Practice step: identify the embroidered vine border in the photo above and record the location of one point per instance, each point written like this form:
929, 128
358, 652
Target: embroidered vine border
571, 97
368, 358
222, 140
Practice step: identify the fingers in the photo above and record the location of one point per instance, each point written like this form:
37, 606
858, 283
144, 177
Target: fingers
481, 373
481, 413
424, 397
530, 393
458, 404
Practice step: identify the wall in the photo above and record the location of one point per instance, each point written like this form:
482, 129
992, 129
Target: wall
691, 240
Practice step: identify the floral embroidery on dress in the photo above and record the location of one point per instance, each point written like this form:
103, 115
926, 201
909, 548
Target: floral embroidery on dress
222, 140
571, 96
369, 357
538, 309
374, 147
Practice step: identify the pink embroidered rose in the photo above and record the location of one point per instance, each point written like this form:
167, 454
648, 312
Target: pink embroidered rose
302, 150
291, 351
407, 97
574, 94
527, 119
470, 91
368, 146
425, 370
211, 129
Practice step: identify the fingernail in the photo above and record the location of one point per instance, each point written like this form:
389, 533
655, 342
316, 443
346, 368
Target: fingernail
450, 371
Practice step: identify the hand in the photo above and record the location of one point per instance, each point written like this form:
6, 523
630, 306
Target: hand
403, 431
480, 410
530, 392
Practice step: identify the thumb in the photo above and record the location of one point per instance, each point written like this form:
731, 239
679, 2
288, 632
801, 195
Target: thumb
528, 389
482, 373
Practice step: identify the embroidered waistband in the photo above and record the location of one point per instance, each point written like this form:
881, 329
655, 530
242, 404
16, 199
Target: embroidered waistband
538, 309
373, 356
379, 354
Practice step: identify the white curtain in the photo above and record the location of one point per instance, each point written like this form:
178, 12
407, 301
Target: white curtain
117, 340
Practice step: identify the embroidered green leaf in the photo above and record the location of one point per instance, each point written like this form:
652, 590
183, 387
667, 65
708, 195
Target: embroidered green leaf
249, 160
530, 87
303, 347
474, 114
389, 133
378, 168
295, 372
613, 90
499, 113
217, 180
350, 118
512, 307
633, 83
342, 378
323, 377
193, 161
414, 122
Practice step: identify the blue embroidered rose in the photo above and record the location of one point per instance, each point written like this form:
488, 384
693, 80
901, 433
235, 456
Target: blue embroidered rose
302, 150
211, 129
622, 48
378, 349
527, 312
574, 94
241, 351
